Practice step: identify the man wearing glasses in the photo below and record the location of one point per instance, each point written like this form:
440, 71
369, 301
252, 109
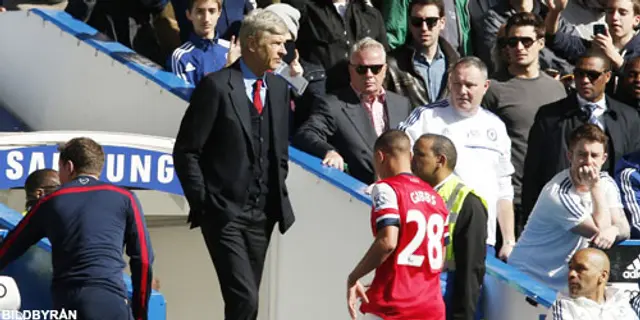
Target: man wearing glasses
343, 127
418, 69
514, 95
547, 146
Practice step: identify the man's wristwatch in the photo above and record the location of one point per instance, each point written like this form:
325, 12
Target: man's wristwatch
510, 243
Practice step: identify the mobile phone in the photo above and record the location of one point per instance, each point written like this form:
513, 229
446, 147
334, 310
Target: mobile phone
599, 29
297, 83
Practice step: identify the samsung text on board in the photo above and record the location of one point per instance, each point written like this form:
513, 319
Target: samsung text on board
134, 168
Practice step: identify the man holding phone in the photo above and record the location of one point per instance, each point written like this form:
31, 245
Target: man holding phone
618, 41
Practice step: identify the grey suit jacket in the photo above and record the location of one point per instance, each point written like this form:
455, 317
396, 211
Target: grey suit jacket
339, 122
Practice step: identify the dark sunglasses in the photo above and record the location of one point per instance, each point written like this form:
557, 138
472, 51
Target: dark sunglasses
592, 75
417, 22
362, 69
526, 41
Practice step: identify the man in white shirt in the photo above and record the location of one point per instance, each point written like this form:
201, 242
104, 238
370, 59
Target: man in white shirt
578, 205
482, 142
589, 297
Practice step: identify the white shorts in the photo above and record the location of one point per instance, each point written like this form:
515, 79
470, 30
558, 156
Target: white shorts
369, 316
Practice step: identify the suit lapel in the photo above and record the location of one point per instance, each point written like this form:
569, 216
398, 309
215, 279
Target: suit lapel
240, 102
612, 128
394, 114
360, 119
275, 106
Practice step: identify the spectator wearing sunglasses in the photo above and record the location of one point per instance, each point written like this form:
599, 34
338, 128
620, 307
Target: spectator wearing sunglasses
514, 94
486, 37
418, 69
343, 127
38, 184
547, 147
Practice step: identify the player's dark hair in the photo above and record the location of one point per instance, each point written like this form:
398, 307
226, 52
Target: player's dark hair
87, 155
442, 146
588, 132
393, 142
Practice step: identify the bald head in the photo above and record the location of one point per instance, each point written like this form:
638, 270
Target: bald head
597, 258
588, 274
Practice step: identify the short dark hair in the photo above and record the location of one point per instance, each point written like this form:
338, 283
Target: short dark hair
438, 3
525, 19
592, 54
192, 3
393, 142
442, 145
589, 132
87, 155
627, 64
37, 180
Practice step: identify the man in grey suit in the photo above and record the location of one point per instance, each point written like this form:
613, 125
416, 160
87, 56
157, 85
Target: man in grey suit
343, 127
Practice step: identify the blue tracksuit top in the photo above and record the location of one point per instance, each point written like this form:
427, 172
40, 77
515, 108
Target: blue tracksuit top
87, 222
198, 57
627, 177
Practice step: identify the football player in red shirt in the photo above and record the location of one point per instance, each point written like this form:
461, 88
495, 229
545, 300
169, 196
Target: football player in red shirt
408, 220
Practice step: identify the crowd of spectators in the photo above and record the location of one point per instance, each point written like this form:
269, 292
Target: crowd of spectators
540, 99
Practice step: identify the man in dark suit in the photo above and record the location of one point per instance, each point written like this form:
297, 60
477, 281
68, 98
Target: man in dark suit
547, 148
231, 156
343, 127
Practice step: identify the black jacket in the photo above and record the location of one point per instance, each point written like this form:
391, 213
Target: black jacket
403, 79
213, 151
469, 238
548, 141
339, 122
326, 39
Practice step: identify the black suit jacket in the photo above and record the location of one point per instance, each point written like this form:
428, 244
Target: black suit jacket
339, 122
213, 152
549, 135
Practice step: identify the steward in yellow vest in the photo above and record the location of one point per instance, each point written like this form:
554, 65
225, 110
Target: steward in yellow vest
434, 158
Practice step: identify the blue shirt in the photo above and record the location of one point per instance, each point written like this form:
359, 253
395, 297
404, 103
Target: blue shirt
198, 57
249, 80
433, 73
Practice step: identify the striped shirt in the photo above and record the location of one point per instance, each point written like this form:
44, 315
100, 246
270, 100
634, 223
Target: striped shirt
547, 235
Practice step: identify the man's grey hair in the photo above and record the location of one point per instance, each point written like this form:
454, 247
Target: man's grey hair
368, 43
471, 61
259, 21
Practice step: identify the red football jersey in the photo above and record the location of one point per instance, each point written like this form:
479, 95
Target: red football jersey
407, 285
